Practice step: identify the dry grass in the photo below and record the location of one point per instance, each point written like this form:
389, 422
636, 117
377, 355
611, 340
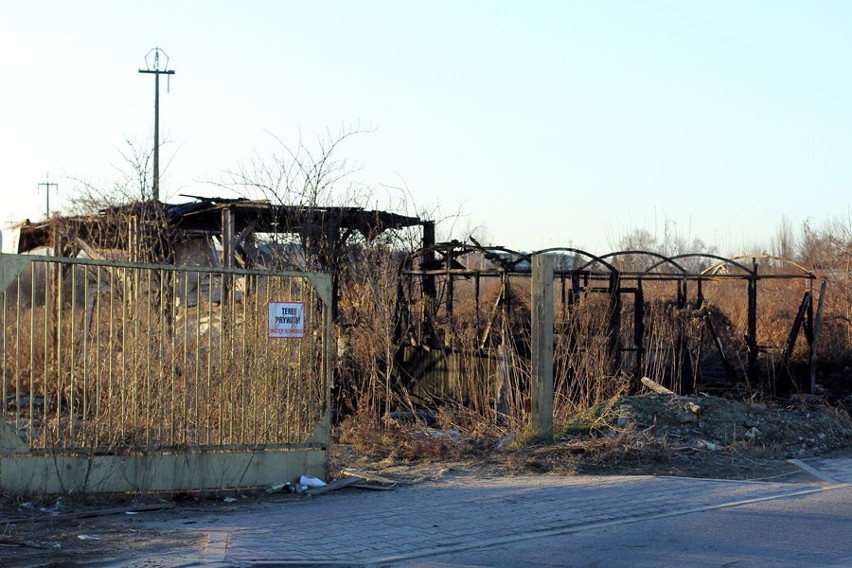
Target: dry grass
413, 441
113, 370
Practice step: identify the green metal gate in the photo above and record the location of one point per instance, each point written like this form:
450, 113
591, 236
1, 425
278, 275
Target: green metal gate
119, 376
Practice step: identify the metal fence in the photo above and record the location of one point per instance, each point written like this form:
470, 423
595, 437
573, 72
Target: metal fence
117, 358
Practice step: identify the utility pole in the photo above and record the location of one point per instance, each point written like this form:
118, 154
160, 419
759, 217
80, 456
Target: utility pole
153, 67
47, 184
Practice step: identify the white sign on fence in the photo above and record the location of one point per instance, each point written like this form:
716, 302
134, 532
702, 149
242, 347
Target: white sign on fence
286, 319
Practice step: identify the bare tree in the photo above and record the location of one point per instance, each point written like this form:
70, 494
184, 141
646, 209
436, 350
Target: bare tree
784, 242
119, 214
305, 179
132, 182
297, 175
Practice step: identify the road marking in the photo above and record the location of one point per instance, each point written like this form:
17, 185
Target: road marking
813, 471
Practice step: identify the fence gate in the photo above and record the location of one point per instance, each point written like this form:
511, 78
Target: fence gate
120, 376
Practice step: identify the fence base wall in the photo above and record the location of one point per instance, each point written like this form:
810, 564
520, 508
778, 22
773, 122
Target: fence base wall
56, 474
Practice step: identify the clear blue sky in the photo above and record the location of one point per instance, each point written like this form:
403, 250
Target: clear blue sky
546, 123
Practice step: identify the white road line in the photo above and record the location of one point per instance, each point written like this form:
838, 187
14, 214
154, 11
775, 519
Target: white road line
813, 471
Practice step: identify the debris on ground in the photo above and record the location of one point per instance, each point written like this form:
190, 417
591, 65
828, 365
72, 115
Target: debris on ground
657, 434
310, 482
333, 486
368, 480
698, 436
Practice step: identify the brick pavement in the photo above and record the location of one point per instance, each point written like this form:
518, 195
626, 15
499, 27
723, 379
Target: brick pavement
376, 528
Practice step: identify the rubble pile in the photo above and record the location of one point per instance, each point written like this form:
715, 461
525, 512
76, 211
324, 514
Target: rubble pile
699, 436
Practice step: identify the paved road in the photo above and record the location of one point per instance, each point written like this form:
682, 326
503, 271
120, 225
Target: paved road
539, 521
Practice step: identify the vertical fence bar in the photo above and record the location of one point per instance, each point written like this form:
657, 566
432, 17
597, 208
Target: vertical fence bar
267, 375
327, 344
4, 387
59, 335
98, 360
162, 316
48, 280
125, 298
85, 354
277, 395
46, 317
257, 399
244, 363
170, 327
223, 389
236, 380
73, 341
17, 354
184, 276
32, 393
135, 407
213, 402
110, 393
150, 337
198, 398
290, 398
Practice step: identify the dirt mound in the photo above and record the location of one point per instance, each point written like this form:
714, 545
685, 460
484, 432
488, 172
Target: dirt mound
698, 436
695, 436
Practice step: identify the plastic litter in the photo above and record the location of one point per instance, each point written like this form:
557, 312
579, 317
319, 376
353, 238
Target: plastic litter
310, 482
88, 537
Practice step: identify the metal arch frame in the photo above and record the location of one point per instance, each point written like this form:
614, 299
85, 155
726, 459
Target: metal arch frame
489, 251
662, 260
446, 249
594, 258
616, 278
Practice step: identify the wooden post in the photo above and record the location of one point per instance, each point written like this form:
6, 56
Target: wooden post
228, 238
228, 251
134, 239
542, 346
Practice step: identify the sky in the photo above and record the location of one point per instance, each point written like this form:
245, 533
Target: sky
530, 124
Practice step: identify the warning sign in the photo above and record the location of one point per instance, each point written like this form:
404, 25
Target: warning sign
286, 319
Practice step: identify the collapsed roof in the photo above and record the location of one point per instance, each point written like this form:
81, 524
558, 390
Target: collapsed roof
231, 218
